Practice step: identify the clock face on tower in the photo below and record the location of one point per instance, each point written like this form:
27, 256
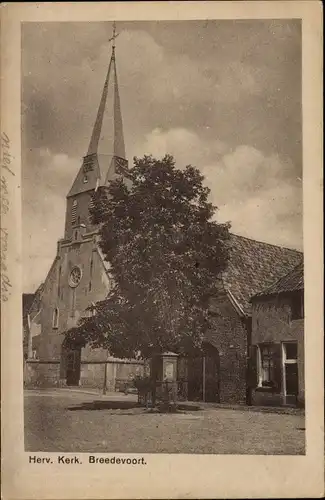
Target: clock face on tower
75, 277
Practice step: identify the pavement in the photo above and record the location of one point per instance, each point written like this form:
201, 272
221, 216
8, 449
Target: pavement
117, 396
82, 420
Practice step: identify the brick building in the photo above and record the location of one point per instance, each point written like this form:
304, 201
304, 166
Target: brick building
277, 350
221, 374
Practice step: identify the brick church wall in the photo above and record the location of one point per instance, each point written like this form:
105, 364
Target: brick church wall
229, 335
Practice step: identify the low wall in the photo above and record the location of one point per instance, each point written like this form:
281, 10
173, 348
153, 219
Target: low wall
118, 373
113, 373
265, 398
41, 373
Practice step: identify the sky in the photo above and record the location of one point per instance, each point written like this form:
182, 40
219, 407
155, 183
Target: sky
224, 96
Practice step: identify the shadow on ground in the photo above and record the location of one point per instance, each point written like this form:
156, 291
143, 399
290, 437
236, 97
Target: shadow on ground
105, 405
124, 406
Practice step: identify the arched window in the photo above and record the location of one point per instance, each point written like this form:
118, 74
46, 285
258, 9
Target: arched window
55, 323
74, 212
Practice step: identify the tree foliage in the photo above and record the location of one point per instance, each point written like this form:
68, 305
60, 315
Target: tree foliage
165, 254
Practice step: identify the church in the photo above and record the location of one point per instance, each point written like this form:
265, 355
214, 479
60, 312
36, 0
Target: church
79, 277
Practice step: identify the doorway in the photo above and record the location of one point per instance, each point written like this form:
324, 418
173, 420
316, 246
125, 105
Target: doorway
204, 376
290, 372
73, 367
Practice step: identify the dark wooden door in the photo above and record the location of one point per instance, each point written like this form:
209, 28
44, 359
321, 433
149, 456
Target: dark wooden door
212, 377
195, 377
73, 366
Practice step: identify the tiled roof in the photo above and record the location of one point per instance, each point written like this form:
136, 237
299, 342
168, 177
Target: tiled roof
253, 266
292, 281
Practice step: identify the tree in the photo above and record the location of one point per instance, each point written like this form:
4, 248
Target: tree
165, 254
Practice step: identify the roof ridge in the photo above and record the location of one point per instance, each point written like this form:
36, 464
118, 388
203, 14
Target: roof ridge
266, 243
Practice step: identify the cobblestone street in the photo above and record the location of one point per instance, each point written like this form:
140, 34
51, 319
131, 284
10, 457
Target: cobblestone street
63, 420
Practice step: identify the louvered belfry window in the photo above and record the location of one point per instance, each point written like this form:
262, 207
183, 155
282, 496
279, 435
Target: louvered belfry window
91, 202
91, 205
74, 211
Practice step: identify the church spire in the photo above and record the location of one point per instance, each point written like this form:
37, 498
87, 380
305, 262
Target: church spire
106, 152
98, 138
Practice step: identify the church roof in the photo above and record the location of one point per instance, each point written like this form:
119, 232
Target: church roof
106, 151
254, 266
291, 282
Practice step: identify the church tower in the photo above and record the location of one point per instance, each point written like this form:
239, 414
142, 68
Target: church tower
105, 158
79, 275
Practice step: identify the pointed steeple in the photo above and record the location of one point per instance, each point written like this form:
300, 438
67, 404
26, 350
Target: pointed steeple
106, 152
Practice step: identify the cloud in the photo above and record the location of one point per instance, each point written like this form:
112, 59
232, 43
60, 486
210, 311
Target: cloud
184, 144
257, 193
45, 188
64, 69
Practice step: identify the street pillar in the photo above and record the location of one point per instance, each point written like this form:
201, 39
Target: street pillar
167, 375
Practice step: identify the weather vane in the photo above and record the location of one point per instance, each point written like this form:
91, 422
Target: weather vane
114, 36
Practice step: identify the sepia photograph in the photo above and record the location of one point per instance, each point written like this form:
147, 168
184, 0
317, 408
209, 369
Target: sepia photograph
161, 250
162, 237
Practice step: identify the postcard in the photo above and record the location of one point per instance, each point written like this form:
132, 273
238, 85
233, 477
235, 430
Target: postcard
161, 250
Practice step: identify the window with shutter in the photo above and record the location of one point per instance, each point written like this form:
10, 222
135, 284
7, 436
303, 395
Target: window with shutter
266, 365
270, 366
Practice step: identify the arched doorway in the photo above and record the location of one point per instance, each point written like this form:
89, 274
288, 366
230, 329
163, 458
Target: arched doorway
203, 375
70, 363
211, 374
